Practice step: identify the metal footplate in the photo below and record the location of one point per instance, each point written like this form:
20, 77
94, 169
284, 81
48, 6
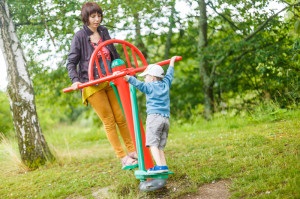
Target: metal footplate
151, 181
143, 175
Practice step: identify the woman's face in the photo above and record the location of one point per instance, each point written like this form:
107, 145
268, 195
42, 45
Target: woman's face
94, 20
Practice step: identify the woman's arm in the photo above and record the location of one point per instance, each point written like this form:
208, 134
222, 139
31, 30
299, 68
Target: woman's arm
73, 60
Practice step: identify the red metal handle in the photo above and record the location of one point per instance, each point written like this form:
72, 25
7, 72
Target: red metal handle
162, 63
97, 81
119, 74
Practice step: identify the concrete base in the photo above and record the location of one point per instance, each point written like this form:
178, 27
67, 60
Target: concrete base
152, 185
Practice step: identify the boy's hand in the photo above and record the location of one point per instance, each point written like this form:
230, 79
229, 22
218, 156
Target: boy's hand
126, 77
172, 61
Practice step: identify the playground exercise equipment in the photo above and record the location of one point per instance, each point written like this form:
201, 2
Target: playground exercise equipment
127, 98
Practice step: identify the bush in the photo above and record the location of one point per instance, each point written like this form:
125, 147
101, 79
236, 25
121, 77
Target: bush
6, 123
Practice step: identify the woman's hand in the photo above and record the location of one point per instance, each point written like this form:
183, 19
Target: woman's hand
75, 85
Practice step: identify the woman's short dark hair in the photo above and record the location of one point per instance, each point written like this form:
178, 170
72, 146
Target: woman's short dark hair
90, 8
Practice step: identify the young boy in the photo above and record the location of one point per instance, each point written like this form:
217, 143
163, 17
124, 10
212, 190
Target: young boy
157, 90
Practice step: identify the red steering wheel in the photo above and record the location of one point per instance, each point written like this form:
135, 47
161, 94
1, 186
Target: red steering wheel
137, 63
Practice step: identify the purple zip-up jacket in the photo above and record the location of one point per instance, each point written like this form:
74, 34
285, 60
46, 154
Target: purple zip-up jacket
81, 51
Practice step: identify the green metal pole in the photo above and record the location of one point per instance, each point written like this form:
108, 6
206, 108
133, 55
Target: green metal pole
117, 95
137, 128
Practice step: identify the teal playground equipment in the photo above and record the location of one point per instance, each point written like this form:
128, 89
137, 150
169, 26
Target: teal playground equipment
158, 180
132, 62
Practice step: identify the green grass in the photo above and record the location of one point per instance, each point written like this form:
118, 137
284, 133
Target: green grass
258, 155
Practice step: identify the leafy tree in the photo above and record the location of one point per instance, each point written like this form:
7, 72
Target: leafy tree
258, 61
230, 40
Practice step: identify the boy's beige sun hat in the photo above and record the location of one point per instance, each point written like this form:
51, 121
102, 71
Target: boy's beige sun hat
154, 70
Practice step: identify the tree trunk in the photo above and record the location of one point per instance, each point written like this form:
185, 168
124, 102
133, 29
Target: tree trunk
32, 145
206, 74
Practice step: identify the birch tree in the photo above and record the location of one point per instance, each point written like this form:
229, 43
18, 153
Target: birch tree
32, 144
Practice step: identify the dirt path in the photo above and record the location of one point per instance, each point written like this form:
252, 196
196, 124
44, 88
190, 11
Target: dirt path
215, 190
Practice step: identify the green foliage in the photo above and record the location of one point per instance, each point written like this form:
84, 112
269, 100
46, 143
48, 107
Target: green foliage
264, 63
268, 112
186, 90
52, 22
6, 123
297, 26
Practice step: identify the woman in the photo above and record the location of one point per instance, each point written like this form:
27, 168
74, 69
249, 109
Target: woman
101, 97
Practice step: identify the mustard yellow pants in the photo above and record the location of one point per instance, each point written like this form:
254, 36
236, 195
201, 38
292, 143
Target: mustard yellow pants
105, 104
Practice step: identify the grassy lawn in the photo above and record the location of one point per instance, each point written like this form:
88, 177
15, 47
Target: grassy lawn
258, 155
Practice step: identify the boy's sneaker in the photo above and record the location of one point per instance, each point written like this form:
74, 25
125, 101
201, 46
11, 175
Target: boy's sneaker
158, 169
